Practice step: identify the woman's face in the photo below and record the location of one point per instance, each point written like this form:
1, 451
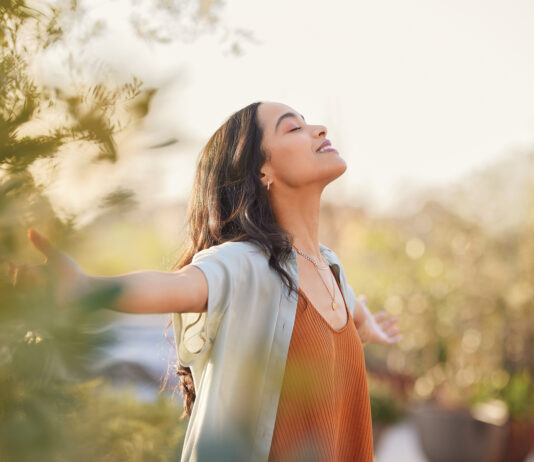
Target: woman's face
292, 146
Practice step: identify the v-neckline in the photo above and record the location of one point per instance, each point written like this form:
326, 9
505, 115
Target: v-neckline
308, 301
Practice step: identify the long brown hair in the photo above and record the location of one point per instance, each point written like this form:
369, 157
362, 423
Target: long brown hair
230, 203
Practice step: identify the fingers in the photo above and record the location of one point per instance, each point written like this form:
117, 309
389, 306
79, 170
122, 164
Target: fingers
384, 318
392, 331
388, 327
41, 243
386, 322
396, 339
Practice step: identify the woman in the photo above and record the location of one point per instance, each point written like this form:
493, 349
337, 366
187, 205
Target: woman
266, 326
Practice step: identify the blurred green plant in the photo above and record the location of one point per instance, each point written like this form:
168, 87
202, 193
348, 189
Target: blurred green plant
44, 351
385, 407
463, 293
50, 410
98, 423
124, 427
517, 394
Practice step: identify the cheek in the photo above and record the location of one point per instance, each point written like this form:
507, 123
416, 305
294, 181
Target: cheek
293, 153
293, 165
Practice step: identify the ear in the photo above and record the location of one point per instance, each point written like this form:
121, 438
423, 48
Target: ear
265, 174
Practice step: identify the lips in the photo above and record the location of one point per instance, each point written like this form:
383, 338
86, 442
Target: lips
325, 143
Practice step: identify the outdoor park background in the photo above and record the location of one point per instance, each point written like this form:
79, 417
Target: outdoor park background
104, 109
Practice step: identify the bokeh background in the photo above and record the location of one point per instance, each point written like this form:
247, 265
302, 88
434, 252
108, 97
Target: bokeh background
105, 106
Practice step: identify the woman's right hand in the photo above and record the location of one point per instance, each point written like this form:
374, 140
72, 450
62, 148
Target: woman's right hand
67, 278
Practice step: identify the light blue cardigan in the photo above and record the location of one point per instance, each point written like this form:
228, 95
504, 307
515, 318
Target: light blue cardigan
237, 351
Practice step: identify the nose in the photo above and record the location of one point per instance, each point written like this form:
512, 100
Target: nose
319, 130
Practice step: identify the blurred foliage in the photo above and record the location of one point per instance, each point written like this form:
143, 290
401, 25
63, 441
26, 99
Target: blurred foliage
124, 427
98, 423
386, 405
50, 409
464, 297
518, 394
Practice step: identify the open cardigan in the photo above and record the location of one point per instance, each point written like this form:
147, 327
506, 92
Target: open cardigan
237, 350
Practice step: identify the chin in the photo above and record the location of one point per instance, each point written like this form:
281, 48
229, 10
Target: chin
340, 167
335, 171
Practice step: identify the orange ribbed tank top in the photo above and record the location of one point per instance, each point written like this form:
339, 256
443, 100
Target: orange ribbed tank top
324, 412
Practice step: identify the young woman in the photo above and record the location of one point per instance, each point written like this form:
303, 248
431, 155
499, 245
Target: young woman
269, 334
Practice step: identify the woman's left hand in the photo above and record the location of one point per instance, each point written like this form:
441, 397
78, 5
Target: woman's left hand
381, 328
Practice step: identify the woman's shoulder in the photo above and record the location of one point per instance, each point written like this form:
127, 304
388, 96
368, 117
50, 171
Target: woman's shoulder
330, 255
234, 250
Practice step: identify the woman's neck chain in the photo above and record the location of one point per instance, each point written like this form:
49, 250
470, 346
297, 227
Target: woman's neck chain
315, 263
311, 258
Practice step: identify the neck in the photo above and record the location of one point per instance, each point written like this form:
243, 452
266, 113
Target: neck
298, 214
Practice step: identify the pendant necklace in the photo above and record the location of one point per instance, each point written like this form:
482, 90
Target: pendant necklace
316, 265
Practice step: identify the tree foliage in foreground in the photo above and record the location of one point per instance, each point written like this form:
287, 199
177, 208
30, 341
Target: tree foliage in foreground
50, 408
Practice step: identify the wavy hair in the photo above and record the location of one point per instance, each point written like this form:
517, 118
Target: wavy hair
230, 203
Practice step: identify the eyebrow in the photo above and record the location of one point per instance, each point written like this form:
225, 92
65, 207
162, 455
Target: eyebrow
287, 114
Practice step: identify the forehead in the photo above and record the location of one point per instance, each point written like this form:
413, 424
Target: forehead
269, 113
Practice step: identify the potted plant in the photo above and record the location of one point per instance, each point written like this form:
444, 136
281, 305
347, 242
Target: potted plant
386, 407
454, 434
518, 396
486, 422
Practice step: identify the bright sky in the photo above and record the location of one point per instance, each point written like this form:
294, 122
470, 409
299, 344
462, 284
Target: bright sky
412, 92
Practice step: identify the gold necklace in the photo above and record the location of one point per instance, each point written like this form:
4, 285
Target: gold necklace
316, 265
311, 258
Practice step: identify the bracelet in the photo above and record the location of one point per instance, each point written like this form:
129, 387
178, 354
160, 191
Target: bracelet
366, 340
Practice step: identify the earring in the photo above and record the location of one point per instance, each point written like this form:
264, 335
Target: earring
268, 184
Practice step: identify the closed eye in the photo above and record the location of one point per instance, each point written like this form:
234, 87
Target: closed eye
296, 128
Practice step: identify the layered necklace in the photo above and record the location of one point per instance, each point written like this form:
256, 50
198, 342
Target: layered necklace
317, 266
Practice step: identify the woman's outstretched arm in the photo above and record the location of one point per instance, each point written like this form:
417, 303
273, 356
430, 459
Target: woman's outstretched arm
147, 291
141, 292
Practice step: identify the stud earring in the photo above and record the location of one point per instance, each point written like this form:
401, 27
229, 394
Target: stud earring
268, 184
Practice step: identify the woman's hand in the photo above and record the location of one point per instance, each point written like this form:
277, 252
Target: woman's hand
379, 327
58, 269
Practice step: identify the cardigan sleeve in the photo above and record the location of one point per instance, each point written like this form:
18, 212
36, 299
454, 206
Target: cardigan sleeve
196, 332
348, 291
351, 299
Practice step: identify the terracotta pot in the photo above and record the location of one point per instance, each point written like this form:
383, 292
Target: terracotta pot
519, 441
453, 435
